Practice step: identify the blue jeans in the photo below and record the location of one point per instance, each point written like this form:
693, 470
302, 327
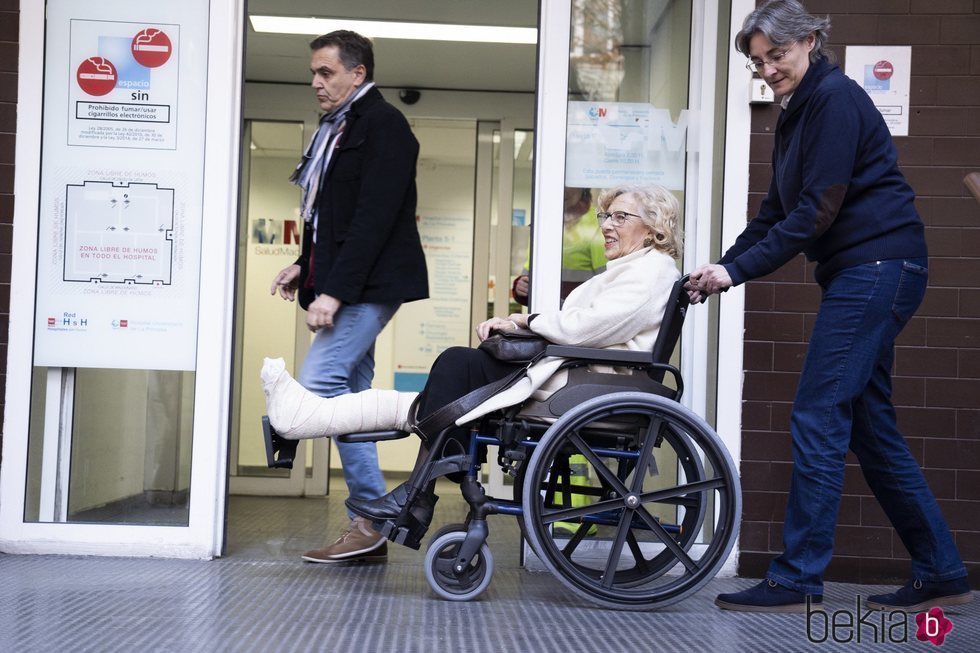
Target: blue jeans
340, 361
844, 401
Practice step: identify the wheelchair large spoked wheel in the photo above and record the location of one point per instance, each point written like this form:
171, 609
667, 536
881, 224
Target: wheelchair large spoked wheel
631, 501
568, 470
440, 557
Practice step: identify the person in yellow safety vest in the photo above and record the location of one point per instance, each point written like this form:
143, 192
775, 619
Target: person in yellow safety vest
582, 257
582, 247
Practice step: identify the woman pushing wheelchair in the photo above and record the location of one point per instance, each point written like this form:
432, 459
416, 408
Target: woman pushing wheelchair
621, 308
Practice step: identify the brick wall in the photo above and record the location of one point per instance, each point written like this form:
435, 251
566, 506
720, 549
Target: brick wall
9, 22
937, 364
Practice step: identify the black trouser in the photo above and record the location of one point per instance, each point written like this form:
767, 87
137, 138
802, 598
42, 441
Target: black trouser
456, 372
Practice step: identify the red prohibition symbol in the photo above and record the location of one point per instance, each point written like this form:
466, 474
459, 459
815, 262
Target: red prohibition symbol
151, 47
883, 69
96, 76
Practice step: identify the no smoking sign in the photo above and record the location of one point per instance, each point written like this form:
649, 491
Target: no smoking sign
96, 76
151, 47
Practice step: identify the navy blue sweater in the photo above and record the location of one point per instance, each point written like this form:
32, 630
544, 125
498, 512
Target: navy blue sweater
836, 192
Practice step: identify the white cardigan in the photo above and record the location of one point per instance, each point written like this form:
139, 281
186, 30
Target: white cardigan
622, 308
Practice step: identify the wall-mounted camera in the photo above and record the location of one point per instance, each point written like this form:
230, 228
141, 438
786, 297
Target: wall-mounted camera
409, 95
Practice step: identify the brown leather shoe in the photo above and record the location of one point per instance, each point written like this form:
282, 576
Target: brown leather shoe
359, 543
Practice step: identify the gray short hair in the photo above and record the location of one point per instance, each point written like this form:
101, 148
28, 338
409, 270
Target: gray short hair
660, 211
784, 22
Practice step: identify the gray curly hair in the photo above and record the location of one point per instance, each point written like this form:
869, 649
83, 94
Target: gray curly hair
660, 214
785, 22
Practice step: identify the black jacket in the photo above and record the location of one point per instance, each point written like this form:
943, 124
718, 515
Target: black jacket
836, 192
368, 248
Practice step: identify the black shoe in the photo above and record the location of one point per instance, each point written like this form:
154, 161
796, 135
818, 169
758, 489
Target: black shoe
389, 507
918, 595
769, 596
279, 452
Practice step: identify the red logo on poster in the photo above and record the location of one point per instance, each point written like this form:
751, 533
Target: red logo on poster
151, 47
50, 321
96, 76
883, 70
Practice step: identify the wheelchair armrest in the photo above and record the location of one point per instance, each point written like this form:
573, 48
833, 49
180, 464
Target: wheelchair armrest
621, 356
600, 355
372, 436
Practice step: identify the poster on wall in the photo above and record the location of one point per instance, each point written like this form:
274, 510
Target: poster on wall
610, 143
119, 225
425, 329
885, 73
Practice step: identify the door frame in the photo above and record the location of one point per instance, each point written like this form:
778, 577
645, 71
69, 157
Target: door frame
204, 535
296, 483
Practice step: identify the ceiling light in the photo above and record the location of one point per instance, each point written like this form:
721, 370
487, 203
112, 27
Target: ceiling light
380, 29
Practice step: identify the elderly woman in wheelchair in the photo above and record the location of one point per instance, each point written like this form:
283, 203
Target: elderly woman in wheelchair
605, 341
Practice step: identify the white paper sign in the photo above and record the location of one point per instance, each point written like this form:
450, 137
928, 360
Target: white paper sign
610, 143
125, 90
119, 229
885, 73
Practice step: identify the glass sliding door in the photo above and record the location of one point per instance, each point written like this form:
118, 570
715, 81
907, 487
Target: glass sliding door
110, 446
627, 96
266, 325
501, 234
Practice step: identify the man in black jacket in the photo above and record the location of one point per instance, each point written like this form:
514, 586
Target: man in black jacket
362, 256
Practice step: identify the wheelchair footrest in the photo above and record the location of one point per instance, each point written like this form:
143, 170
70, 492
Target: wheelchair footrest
409, 535
279, 452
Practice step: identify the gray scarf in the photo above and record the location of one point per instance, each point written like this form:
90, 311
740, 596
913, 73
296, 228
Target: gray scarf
311, 167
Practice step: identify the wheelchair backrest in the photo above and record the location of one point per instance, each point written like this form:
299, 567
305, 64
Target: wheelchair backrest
670, 328
584, 383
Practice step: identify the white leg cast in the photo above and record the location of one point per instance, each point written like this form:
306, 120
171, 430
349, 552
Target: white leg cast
298, 414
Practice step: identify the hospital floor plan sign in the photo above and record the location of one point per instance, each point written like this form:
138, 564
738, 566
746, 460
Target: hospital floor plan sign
119, 222
119, 234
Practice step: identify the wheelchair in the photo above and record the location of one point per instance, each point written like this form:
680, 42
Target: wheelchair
625, 495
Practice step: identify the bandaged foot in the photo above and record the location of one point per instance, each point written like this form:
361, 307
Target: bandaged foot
298, 414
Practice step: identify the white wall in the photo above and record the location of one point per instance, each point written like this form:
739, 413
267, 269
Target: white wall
108, 437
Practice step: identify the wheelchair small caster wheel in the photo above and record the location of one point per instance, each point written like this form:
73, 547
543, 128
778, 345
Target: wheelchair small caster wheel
440, 559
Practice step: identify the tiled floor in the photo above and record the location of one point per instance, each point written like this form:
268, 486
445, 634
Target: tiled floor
261, 597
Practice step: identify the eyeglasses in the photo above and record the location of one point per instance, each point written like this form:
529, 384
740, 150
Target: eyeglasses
618, 218
755, 65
